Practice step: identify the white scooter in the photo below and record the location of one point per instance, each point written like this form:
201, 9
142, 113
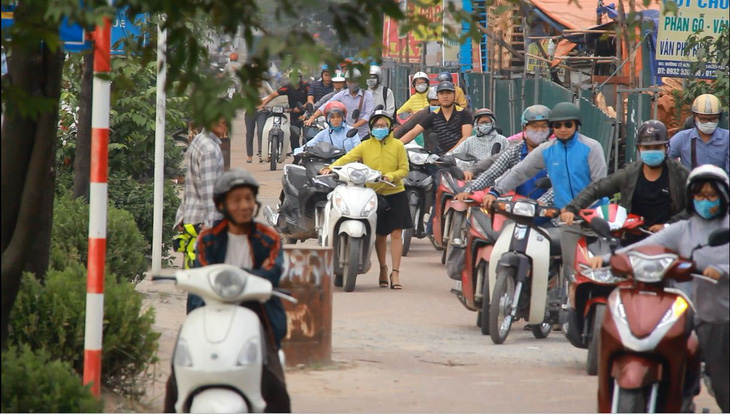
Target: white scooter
275, 136
348, 221
221, 347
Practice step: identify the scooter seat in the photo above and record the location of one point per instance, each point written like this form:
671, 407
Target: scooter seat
554, 234
296, 175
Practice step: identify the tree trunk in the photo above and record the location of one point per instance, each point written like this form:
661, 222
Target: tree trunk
28, 174
82, 162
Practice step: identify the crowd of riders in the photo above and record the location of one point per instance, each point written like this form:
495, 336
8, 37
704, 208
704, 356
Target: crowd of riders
679, 186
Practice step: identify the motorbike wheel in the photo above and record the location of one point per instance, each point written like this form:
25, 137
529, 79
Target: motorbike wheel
349, 271
407, 234
630, 401
274, 156
540, 331
485, 301
592, 359
500, 317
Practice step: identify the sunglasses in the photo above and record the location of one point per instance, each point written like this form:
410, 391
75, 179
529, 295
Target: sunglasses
560, 124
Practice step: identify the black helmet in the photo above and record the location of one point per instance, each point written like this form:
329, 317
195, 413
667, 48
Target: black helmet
652, 132
445, 86
380, 114
230, 180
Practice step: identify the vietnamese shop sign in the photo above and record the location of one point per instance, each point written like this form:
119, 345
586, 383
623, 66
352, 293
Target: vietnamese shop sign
707, 16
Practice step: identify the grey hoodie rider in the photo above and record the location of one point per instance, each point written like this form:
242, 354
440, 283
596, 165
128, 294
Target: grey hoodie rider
481, 144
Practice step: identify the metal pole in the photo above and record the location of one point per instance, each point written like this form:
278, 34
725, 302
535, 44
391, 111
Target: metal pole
97, 208
159, 151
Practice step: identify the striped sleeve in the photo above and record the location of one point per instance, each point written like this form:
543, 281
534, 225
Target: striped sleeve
509, 158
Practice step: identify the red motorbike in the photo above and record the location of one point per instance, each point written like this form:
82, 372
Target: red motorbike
477, 239
443, 213
647, 346
588, 290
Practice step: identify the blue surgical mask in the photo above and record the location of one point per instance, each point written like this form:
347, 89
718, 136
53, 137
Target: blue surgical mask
336, 129
707, 209
434, 108
380, 133
652, 158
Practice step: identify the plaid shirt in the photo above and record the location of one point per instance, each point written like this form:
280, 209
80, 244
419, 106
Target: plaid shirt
205, 164
508, 159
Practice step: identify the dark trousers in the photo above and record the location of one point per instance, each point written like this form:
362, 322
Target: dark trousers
254, 121
715, 348
296, 131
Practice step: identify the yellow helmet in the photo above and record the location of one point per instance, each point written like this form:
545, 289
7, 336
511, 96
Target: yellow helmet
706, 104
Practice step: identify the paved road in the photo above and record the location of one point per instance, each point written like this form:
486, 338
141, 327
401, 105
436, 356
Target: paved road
416, 350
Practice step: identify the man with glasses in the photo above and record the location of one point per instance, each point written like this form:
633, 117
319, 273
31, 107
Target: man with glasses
706, 143
573, 161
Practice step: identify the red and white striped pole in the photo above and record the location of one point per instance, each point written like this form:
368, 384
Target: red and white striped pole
97, 208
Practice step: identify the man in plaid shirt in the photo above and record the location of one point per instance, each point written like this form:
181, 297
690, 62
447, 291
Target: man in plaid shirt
535, 131
205, 164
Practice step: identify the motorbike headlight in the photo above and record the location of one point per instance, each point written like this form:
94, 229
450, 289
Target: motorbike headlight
227, 284
340, 204
182, 354
369, 206
278, 110
419, 159
358, 176
524, 209
602, 276
650, 268
249, 352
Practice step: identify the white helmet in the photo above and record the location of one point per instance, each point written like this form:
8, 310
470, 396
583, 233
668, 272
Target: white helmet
339, 77
421, 75
432, 94
707, 104
712, 173
355, 74
375, 70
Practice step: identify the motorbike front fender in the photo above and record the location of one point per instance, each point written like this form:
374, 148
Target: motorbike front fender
352, 228
632, 371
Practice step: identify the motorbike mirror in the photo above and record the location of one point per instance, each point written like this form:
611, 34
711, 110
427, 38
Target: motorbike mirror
379, 107
310, 108
352, 133
543, 183
356, 114
620, 264
601, 227
298, 106
719, 237
496, 148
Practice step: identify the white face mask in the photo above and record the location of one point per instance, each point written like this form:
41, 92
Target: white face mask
484, 129
707, 127
421, 87
372, 83
536, 137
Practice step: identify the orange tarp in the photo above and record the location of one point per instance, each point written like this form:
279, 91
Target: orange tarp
581, 14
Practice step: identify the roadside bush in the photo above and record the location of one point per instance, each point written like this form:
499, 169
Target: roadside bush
33, 382
51, 317
125, 247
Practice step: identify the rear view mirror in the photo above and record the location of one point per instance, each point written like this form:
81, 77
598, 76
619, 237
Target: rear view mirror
601, 227
356, 114
352, 133
379, 107
298, 106
310, 108
719, 237
496, 148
